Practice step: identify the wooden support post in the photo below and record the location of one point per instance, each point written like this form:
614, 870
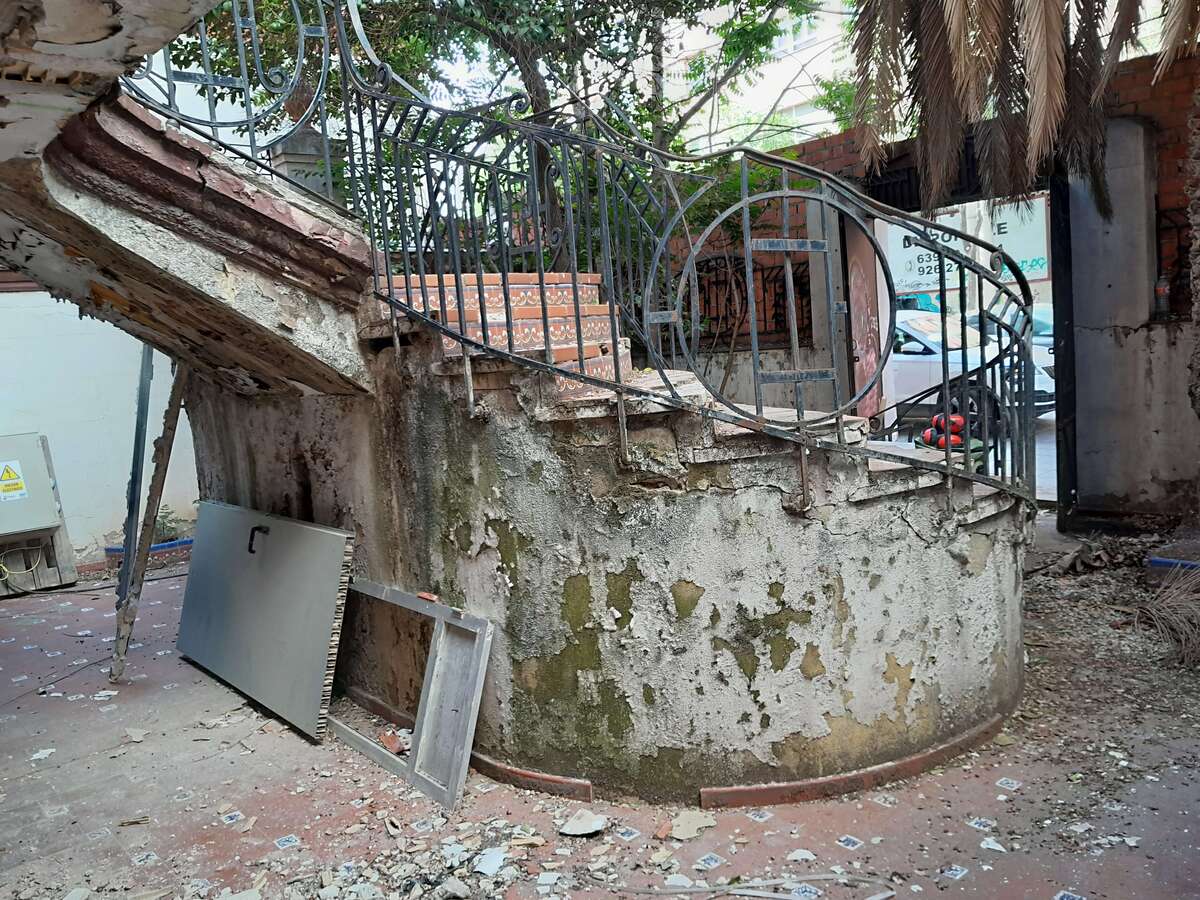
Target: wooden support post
127, 603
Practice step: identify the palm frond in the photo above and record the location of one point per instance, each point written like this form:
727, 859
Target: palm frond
939, 114
1002, 139
1042, 32
879, 43
959, 34
1124, 32
1181, 27
866, 93
1082, 134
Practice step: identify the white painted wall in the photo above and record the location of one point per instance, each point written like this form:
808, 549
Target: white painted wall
75, 381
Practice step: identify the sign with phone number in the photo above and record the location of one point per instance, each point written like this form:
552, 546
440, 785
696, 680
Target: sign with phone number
1021, 232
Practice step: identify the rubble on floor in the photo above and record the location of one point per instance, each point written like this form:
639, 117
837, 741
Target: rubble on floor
1089, 791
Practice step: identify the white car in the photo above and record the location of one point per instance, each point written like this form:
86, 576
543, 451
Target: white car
916, 360
1042, 316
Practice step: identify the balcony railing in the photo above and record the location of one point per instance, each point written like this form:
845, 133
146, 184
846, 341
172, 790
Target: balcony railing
565, 244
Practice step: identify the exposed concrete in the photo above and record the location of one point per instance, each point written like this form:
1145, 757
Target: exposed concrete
247, 280
740, 386
1136, 431
662, 627
674, 623
58, 56
1193, 173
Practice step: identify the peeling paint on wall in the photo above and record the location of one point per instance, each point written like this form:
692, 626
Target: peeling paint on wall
655, 636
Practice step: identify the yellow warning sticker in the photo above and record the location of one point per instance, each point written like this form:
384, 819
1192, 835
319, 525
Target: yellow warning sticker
12, 482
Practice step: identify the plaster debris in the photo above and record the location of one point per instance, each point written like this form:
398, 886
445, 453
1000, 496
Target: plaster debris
396, 741
689, 823
43, 754
489, 861
136, 735
584, 823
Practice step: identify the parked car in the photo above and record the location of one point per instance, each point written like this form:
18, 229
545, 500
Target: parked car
917, 363
1043, 325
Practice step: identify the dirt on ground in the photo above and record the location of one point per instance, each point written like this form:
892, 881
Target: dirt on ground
1091, 790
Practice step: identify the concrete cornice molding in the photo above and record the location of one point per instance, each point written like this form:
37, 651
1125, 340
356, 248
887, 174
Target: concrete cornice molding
123, 154
58, 56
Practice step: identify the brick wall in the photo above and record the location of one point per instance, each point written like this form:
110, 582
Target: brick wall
838, 154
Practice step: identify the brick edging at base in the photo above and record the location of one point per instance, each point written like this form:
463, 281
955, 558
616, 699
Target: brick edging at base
531, 780
720, 797
846, 782
528, 779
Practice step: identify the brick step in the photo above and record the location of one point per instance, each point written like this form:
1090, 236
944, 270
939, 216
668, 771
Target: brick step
522, 313
595, 366
529, 335
524, 291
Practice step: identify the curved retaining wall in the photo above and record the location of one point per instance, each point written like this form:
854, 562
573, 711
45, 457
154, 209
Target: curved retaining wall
663, 627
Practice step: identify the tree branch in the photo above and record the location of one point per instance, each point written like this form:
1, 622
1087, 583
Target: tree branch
728, 75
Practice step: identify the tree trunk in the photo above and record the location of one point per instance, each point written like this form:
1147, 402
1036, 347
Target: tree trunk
658, 86
551, 214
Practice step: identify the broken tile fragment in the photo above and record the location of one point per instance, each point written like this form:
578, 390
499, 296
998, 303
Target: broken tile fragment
489, 861
689, 823
583, 823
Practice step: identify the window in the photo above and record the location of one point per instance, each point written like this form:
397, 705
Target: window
795, 34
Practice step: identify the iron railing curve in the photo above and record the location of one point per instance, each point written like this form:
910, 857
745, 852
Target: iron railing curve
458, 203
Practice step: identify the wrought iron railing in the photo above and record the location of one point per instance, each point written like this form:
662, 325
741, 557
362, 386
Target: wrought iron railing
563, 243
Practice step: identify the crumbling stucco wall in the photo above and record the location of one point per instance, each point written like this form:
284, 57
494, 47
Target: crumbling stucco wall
660, 627
1136, 433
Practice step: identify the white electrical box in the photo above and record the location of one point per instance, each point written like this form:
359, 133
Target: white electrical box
27, 501
35, 552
